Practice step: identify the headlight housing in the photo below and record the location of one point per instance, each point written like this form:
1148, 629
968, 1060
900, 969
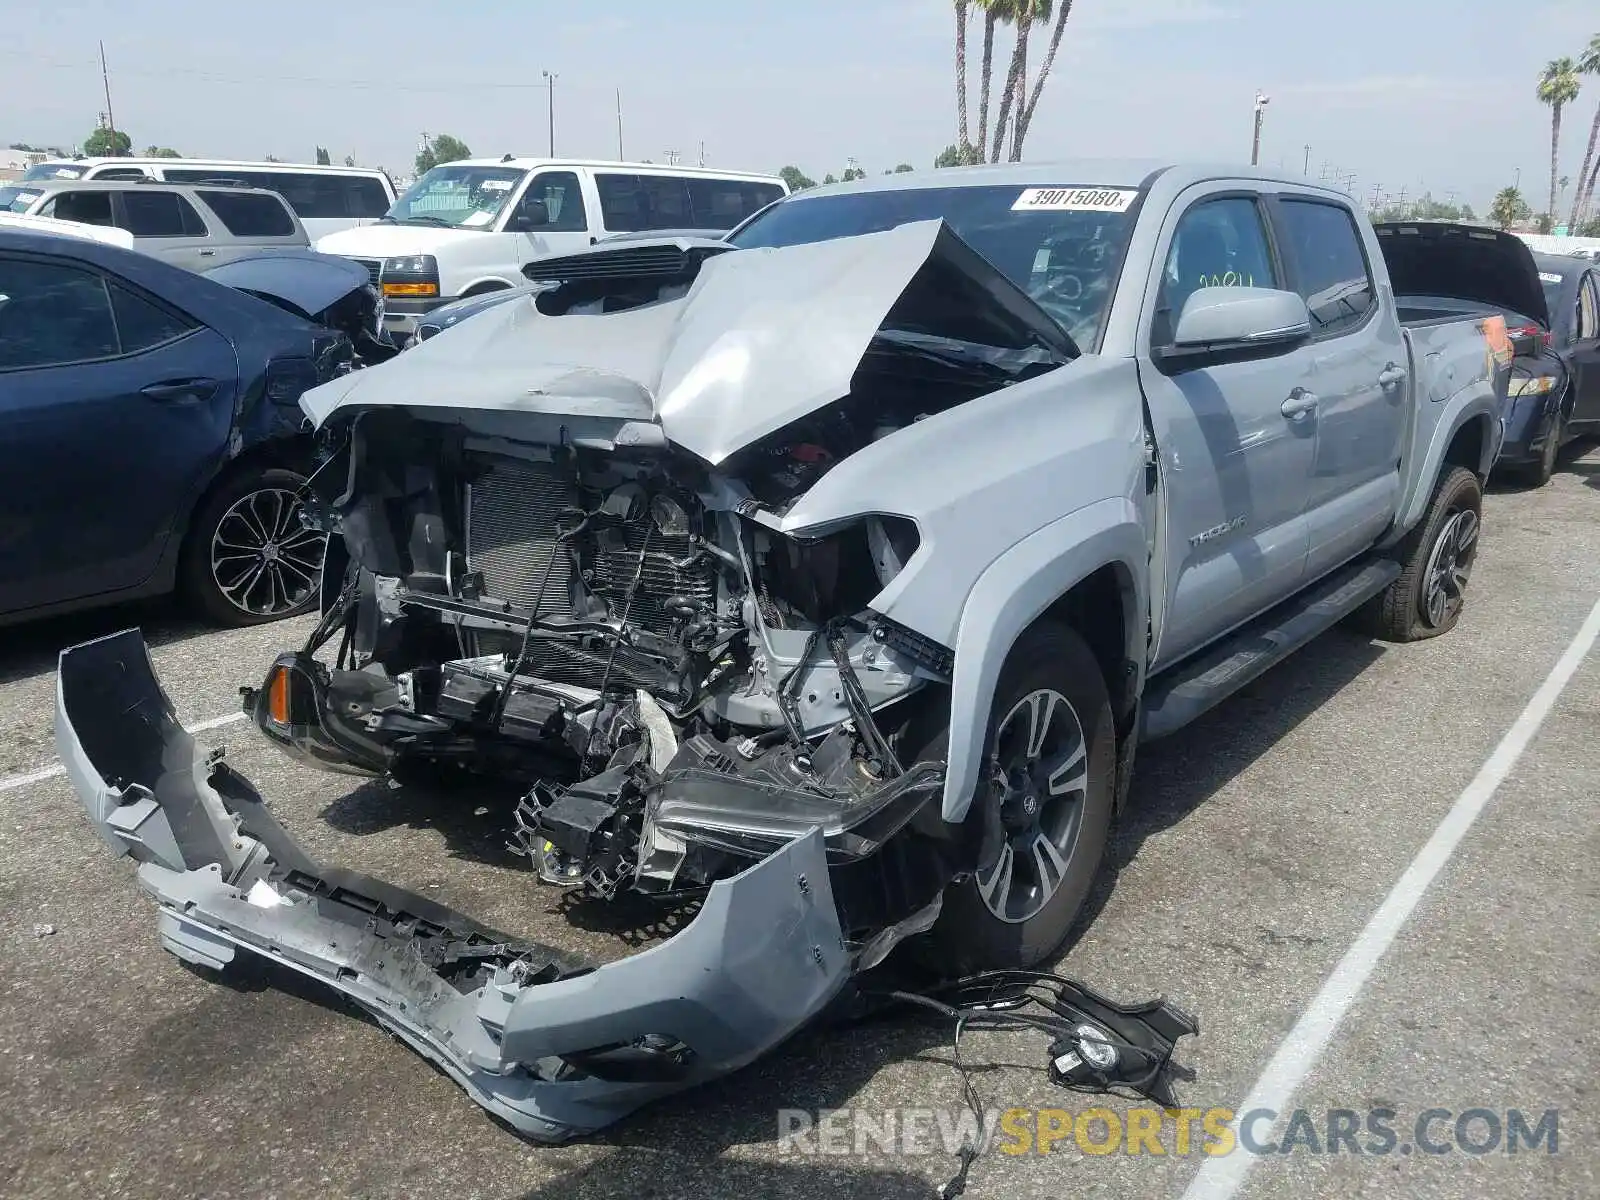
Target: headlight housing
1535, 385
410, 275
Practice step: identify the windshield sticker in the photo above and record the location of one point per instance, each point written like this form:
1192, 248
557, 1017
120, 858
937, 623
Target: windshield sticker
496, 185
1073, 200
1547, 277
66, 173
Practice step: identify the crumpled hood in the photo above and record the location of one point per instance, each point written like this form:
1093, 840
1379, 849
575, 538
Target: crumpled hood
306, 279
762, 338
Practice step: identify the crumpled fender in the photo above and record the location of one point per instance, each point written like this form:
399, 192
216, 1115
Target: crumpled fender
553, 1045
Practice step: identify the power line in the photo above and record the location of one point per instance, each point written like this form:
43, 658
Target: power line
389, 85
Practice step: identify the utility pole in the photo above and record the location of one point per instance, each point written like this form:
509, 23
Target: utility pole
550, 83
1262, 100
671, 156
619, 126
111, 119
1307, 170
702, 152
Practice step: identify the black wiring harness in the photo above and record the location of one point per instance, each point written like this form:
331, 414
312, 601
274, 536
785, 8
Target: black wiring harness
1096, 1045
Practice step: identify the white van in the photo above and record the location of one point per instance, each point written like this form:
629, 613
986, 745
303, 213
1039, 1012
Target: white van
326, 199
469, 227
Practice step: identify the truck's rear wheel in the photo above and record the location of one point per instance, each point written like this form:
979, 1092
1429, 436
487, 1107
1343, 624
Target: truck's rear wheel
1436, 562
1049, 775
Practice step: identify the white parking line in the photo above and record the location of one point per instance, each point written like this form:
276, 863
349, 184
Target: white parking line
13, 782
1221, 1178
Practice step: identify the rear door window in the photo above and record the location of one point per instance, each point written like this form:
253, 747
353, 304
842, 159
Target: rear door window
250, 214
143, 324
159, 214
723, 203
91, 208
52, 315
1330, 267
629, 203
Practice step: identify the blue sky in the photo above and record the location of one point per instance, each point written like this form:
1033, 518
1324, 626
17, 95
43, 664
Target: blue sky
1419, 93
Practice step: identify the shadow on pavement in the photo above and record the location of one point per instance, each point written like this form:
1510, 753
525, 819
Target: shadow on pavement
30, 649
665, 1172
1174, 776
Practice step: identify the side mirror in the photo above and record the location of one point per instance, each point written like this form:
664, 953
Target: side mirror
530, 215
1236, 319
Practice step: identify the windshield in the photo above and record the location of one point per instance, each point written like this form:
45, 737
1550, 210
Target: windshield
18, 199
458, 196
53, 170
1061, 245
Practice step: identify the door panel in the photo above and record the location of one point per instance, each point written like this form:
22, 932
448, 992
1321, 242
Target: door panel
102, 472
551, 217
1357, 370
1234, 467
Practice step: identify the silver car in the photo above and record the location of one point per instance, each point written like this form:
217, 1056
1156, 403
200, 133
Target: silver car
194, 226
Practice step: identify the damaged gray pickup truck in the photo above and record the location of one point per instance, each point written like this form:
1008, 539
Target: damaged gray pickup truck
827, 577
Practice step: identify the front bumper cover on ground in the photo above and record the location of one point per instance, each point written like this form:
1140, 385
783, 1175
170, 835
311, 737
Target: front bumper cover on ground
554, 1046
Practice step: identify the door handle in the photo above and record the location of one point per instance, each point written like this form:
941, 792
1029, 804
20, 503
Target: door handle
1300, 404
1391, 376
180, 389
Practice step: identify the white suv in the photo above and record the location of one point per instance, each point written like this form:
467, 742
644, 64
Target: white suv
469, 227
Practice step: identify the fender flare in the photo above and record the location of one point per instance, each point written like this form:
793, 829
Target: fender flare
1010, 595
1466, 405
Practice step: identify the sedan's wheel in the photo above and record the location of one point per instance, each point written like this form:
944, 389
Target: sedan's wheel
1046, 800
250, 559
1041, 774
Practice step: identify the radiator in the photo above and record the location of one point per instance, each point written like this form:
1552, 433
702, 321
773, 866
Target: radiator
511, 524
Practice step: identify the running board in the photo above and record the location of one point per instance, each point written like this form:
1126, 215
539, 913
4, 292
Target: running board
1177, 697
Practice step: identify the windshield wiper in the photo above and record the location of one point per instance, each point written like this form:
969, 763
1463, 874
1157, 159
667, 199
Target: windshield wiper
422, 220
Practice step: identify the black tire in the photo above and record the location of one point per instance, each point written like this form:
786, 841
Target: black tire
1537, 473
212, 573
969, 935
1407, 610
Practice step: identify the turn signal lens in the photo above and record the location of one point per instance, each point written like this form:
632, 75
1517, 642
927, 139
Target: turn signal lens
410, 289
278, 696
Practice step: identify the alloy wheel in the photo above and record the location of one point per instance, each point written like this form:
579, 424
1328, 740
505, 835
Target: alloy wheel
264, 560
1449, 567
1041, 777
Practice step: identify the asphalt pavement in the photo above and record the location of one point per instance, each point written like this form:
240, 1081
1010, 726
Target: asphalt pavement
1259, 846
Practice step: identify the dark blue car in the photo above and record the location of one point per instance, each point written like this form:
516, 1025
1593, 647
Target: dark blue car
151, 436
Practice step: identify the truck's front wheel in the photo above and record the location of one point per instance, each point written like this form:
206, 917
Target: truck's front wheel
1050, 768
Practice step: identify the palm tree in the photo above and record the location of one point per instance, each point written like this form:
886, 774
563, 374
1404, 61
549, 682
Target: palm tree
1508, 208
994, 12
961, 72
1022, 14
1025, 114
1588, 64
1558, 87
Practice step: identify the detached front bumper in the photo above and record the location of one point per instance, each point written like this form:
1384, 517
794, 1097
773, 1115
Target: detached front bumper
555, 1046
